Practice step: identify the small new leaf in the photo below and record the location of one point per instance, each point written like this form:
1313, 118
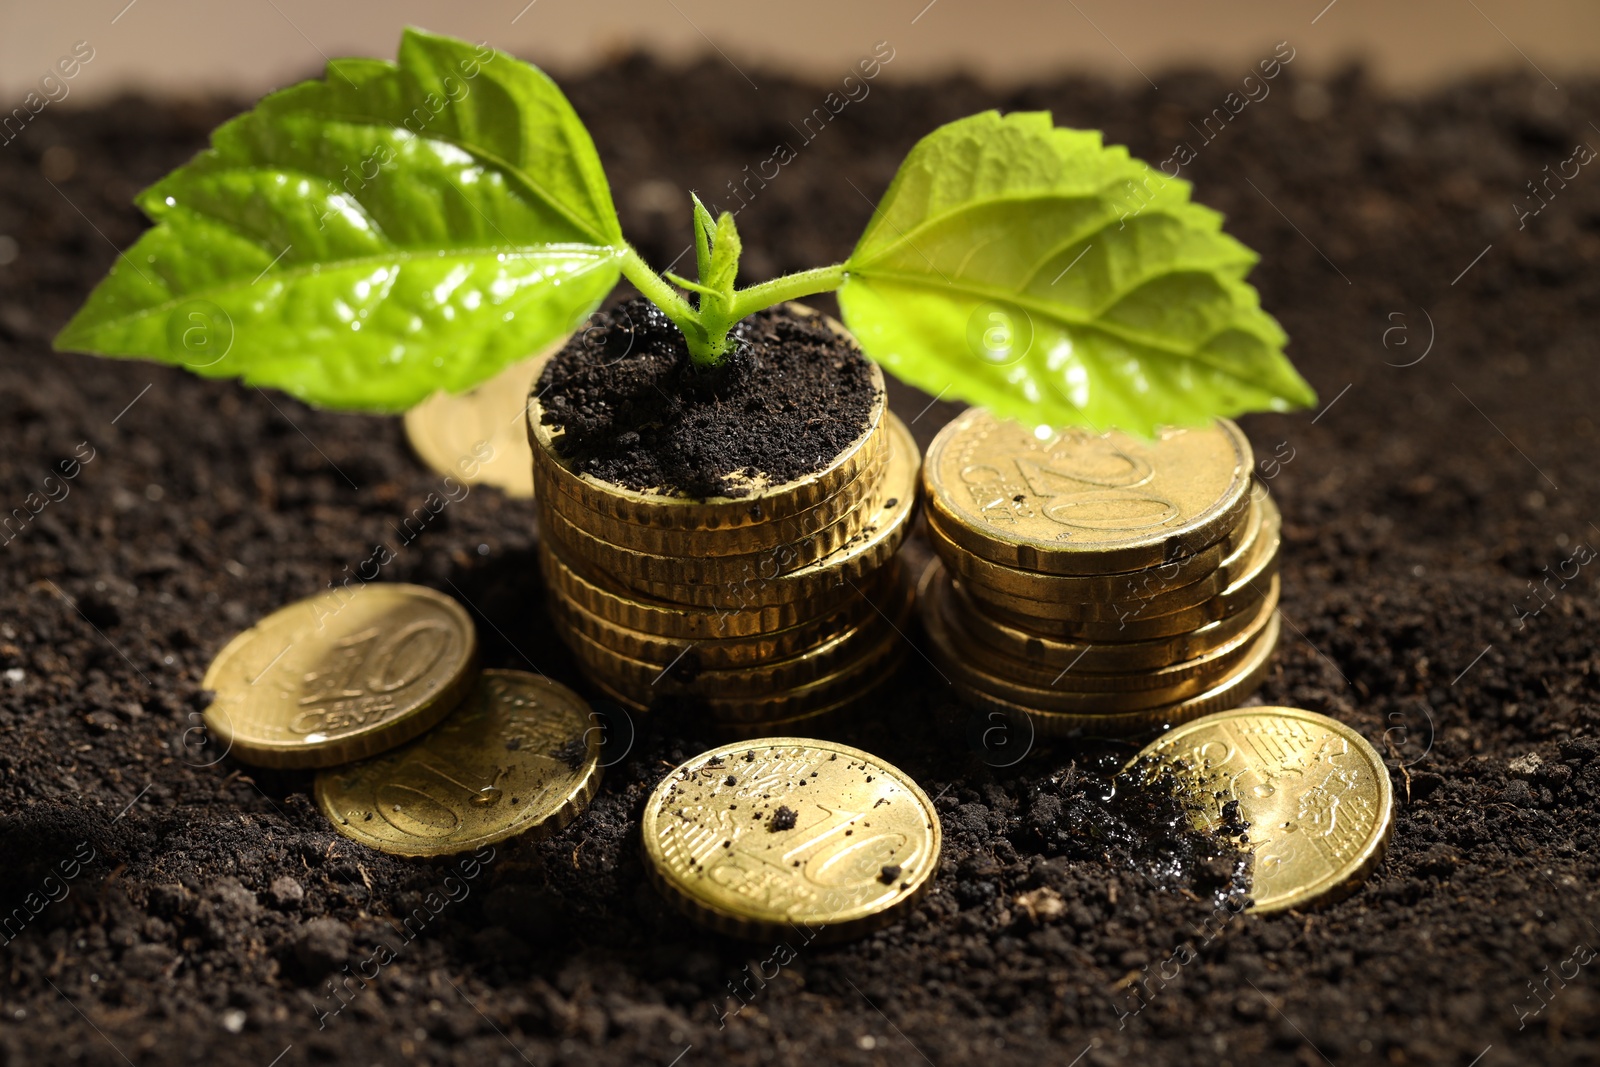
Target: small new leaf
704, 227
1033, 270
363, 240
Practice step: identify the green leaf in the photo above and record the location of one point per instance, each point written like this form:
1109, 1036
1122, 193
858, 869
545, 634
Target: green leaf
363, 240
1032, 270
725, 251
704, 227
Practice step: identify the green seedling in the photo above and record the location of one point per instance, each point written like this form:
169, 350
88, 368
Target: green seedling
400, 228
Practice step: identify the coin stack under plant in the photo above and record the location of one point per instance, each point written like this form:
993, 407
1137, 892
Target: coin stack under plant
762, 610
1099, 584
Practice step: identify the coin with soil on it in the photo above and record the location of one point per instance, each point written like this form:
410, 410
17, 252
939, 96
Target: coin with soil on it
1308, 795
761, 839
520, 757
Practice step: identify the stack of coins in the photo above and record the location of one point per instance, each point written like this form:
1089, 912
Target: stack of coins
1099, 584
763, 610
421, 754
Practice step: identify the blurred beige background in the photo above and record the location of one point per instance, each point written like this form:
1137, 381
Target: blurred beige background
249, 46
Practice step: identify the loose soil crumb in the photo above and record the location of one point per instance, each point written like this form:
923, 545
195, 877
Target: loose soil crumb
636, 411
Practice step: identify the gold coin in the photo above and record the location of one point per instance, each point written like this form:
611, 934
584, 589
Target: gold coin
762, 502
716, 653
1133, 602
1226, 694
1172, 586
863, 554
850, 674
1080, 503
1035, 689
520, 756
1249, 582
756, 716
1076, 677
729, 540
480, 436
789, 837
1105, 656
629, 564
633, 564
833, 651
1081, 587
637, 611
1314, 793
340, 676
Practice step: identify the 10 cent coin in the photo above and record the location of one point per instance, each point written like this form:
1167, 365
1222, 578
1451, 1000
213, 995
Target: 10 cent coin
755, 837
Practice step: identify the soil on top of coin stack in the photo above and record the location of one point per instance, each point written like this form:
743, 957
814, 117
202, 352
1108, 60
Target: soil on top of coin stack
636, 411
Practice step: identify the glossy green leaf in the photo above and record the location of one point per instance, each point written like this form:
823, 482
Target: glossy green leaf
363, 240
1030, 269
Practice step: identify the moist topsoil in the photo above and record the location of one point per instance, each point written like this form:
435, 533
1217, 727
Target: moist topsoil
635, 410
1438, 595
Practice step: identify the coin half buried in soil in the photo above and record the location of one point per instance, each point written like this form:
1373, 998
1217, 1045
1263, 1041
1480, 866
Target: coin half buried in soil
1313, 795
481, 435
520, 756
759, 838
341, 676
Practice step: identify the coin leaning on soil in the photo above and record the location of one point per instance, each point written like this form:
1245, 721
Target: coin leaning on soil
341, 675
1313, 797
479, 436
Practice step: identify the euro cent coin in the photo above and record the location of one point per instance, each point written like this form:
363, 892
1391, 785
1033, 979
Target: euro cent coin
341, 676
760, 839
1079, 503
519, 757
1314, 794
481, 436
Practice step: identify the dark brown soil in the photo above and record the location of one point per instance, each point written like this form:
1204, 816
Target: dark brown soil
636, 411
1435, 520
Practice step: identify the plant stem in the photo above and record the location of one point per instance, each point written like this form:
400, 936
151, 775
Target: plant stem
706, 328
653, 286
789, 287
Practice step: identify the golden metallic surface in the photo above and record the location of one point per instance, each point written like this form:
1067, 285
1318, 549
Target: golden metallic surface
1077, 678
731, 617
869, 550
1104, 657
732, 540
341, 676
1173, 586
1039, 691
851, 674
1082, 503
520, 756
832, 652
1198, 569
634, 564
1314, 792
1227, 694
480, 436
763, 839
763, 503
717, 653
1249, 582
